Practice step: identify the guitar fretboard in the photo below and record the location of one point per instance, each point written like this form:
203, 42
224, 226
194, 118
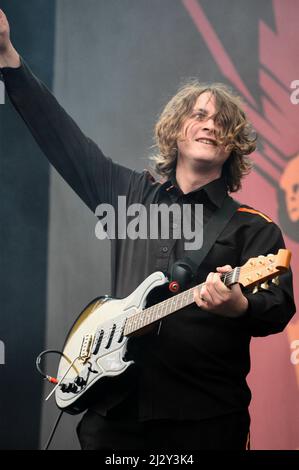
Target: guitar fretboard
158, 311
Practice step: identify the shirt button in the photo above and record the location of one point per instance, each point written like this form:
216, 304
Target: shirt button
165, 249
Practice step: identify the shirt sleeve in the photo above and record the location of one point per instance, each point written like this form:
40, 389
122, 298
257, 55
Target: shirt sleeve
94, 177
269, 311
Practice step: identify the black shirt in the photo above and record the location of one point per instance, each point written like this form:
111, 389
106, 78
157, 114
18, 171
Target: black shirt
196, 366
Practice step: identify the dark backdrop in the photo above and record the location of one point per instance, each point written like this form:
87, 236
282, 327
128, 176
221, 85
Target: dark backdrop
24, 191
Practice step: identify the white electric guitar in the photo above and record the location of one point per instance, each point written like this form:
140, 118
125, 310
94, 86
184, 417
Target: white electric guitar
96, 345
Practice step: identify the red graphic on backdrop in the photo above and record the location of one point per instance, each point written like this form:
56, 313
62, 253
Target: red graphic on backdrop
276, 124
275, 118
289, 183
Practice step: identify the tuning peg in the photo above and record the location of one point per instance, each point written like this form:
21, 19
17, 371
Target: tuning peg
275, 280
255, 289
265, 285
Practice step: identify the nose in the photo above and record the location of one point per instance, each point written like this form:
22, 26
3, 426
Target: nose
209, 125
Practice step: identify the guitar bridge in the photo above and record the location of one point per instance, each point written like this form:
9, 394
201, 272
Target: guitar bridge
85, 351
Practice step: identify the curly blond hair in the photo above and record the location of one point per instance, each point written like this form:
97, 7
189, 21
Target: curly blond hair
234, 130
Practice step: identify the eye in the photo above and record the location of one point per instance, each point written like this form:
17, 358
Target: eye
200, 115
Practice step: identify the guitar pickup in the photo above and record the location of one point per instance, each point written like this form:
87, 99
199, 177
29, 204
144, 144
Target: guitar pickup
111, 336
97, 341
85, 351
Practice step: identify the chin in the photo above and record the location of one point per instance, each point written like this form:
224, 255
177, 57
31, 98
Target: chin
208, 159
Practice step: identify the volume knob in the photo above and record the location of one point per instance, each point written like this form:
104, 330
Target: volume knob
64, 388
80, 381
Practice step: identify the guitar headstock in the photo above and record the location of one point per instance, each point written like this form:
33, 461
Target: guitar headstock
257, 271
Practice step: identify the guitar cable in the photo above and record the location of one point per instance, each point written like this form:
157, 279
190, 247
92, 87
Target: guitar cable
50, 379
53, 381
53, 430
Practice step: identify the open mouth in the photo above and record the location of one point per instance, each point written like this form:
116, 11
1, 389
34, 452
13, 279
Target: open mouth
204, 140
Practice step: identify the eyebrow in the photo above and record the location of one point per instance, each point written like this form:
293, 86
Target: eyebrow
201, 110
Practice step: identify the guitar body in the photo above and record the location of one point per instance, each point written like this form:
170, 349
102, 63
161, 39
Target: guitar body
94, 351
95, 347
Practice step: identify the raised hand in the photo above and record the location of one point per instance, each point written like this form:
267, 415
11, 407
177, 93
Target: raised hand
4, 33
8, 55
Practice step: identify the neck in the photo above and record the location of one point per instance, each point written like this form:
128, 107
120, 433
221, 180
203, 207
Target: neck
191, 177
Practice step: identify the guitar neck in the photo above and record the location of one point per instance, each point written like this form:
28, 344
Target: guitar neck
150, 315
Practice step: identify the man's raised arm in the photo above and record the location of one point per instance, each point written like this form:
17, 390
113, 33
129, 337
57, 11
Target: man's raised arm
78, 159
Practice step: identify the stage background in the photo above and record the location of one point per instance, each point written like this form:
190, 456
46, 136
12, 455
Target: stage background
113, 64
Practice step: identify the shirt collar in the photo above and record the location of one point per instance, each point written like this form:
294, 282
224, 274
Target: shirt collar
216, 190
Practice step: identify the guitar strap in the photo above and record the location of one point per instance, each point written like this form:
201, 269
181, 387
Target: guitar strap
212, 230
